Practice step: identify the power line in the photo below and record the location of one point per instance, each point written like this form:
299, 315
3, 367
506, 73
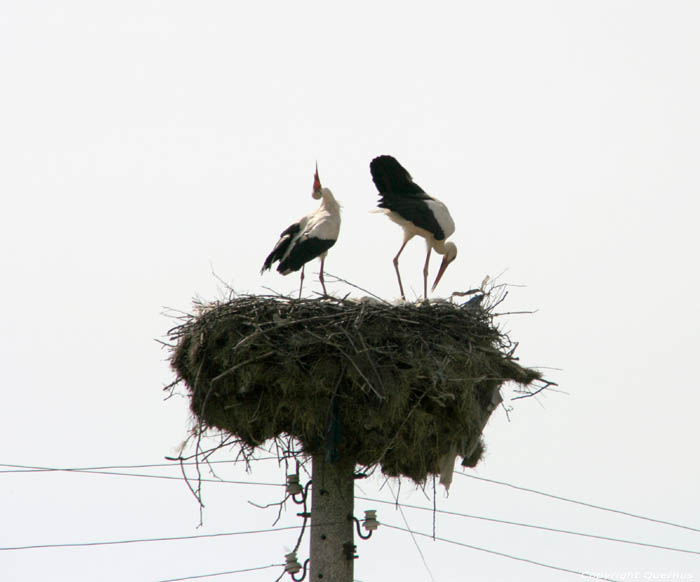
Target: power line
502, 554
408, 528
122, 474
104, 470
585, 504
142, 540
222, 573
33, 469
534, 526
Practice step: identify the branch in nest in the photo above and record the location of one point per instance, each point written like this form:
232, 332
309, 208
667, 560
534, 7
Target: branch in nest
546, 384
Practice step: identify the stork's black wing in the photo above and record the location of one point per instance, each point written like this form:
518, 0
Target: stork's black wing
390, 177
400, 194
304, 250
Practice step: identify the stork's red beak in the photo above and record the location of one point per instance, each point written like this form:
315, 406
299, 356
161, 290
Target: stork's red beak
441, 272
317, 180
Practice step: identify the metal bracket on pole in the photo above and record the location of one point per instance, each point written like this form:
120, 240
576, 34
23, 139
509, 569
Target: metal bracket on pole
349, 551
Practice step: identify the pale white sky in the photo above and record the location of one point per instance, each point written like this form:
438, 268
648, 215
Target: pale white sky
145, 144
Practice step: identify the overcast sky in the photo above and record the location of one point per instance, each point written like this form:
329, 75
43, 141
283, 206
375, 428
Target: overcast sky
152, 150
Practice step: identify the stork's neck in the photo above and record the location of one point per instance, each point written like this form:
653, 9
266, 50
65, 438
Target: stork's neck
329, 202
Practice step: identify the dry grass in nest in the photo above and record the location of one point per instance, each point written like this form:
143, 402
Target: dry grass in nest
405, 383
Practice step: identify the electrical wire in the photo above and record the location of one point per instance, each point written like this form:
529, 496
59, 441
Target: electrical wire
161, 539
32, 469
29, 468
502, 554
408, 529
223, 573
104, 470
143, 540
533, 526
585, 504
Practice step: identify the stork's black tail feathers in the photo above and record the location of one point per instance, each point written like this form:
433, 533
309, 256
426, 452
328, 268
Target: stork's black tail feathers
268, 261
390, 177
281, 246
276, 254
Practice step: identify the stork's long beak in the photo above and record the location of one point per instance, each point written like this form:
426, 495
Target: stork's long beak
317, 180
441, 272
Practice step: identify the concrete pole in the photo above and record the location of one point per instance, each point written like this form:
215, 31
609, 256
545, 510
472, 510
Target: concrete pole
332, 527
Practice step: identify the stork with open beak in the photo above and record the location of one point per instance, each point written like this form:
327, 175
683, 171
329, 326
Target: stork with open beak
310, 237
407, 204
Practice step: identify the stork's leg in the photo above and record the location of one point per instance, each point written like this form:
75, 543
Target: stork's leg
301, 281
320, 277
425, 273
396, 266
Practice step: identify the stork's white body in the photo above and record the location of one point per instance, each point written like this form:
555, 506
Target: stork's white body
442, 216
323, 224
310, 237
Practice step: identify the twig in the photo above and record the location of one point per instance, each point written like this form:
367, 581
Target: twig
501, 314
466, 293
546, 384
232, 369
357, 287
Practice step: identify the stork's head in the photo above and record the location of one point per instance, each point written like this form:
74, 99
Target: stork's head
317, 185
450, 255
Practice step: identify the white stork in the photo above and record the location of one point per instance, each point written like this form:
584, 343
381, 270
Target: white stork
405, 202
310, 237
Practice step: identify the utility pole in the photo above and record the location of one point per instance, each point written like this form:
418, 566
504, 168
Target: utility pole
332, 527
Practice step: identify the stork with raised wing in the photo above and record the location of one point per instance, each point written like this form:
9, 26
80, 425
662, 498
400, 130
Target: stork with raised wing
407, 204
310, 237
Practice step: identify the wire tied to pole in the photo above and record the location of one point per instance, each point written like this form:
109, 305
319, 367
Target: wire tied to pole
294, 489
292, 566
369, 522
293, 486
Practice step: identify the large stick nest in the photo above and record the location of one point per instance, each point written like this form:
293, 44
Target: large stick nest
398, 386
